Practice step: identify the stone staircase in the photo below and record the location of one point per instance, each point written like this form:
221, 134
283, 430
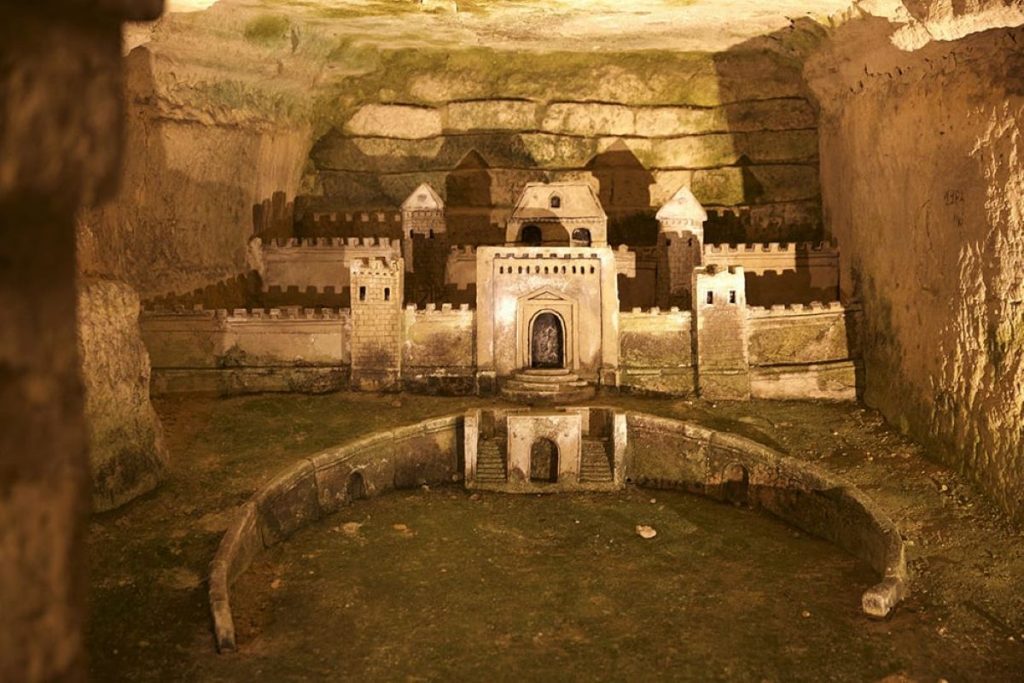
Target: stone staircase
595, 463
546, 386
490, 462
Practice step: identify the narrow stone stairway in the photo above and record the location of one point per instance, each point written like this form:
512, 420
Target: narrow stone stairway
490, 462
595, 463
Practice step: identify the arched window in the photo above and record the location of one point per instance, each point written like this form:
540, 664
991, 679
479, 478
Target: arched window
531, 236
556, 201
581, 237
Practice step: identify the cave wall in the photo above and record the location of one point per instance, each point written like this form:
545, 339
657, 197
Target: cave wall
184, 214
923, 186
60, 119
479, 124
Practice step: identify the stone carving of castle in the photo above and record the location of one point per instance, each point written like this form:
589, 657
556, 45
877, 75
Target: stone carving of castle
539, 317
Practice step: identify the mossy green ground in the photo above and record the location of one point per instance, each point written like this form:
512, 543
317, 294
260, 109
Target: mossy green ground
718, 594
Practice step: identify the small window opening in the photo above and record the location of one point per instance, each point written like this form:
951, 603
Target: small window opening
556, 202
732, 296
668, 242
362, 293
689, 242
387, 294
430, 234
711, 297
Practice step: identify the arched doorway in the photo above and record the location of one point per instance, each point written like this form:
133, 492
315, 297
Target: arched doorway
736, 484
544, 462
531, 236
581, 237
355, 488
547, 341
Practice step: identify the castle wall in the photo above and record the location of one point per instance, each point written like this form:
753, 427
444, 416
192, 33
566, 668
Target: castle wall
370, 223
287, 349
812, 333
781, 273
318, 263
655, 351
804, 351
438, 354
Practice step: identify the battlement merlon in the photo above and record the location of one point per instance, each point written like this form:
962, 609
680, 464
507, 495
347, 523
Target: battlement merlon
717, 286
377, 266
779, 311
295, 243
788, 248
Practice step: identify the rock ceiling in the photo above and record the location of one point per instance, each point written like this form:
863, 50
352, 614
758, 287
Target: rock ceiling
687, 25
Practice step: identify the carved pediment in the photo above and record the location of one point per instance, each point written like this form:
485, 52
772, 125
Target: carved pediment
545, 295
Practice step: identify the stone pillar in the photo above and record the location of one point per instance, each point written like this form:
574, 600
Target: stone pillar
720, 333
60, 125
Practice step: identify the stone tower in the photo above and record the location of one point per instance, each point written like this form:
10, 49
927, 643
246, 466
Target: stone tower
424, 244
376, 301
720, 333
681, 243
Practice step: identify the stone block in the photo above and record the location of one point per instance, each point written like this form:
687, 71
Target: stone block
584, 118
395, 121
491, 115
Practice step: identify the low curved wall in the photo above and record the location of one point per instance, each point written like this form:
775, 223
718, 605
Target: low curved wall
425, 453
665, 453
661, 453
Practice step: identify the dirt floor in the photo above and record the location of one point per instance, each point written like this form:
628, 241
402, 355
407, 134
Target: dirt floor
428, 585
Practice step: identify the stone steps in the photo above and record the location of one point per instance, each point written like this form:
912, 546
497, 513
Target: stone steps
595, 465
490, 462
543, 385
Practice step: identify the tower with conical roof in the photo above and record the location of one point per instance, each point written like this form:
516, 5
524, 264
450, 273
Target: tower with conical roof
681, 244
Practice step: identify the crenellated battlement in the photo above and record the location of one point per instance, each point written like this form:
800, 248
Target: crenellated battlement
813, 308
431, 309
375, 266
235, 314
467, 252
637, 312
351, 218
771, 248
330, 243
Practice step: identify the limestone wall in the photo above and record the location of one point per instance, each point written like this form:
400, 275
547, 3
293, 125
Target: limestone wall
812, 333
480, 153
924, 190
655, 351
126, 448
226, 352
439, 349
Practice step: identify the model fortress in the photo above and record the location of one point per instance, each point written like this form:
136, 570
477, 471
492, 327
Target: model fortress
540, 317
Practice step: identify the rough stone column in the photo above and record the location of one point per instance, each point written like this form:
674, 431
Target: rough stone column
60, 121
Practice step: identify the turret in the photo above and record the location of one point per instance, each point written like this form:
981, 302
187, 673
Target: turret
423, 213
720, 332
680, 238
376, 299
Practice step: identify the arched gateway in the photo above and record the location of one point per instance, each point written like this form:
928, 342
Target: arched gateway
547, 341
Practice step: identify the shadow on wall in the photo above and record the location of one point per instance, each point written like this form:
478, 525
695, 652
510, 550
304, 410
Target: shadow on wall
624, 188
775, 142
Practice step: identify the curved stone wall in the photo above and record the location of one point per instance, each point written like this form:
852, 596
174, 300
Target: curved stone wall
662, 453
316, 486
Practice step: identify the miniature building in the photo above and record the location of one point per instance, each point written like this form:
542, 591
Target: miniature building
547, 322
557, 214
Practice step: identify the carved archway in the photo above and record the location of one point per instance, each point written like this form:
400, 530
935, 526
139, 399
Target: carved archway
547, 341
544, 461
